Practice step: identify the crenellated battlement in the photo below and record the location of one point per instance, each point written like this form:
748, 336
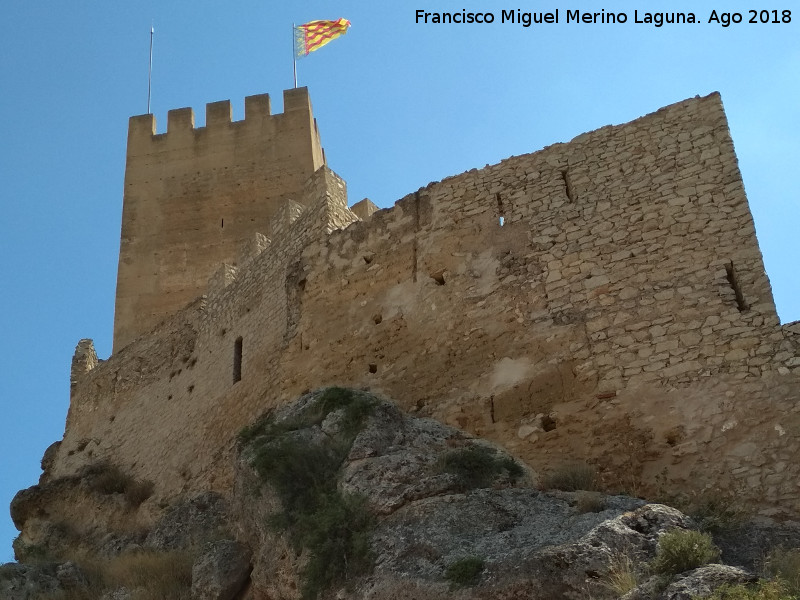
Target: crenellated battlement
193, 195
219, 118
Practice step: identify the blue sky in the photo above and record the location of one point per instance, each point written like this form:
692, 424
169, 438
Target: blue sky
399, 104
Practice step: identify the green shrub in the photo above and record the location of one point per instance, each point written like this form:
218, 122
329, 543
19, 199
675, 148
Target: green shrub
332, 527
718, 513
478, 467
590, 502
355, 407
680, 550
571, 477
763, 590
784, 565
258, 428
337, 535
465, 571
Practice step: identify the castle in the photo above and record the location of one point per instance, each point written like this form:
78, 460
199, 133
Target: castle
601, 300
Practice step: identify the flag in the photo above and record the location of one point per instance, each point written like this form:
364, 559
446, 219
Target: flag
315, 34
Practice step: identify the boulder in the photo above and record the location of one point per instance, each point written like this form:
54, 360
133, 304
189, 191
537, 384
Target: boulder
221, 570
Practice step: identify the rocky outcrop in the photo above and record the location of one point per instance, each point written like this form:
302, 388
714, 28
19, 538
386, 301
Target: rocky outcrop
191, 522
220, 571
23, 581
341, 494
701, 582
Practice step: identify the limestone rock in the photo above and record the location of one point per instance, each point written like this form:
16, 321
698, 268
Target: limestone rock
70, 576
48, 458
428, 521
522, 542
196, 520
220, 572
122, 593
702, 582
25, 582
746, 544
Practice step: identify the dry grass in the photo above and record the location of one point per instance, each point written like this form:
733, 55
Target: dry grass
107, 479
571, 477
590, 502
149, 575
784, 565
763, 590
156, 574
621, 577
718, 513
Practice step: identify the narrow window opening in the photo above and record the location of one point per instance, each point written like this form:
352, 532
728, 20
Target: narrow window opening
567, 185
741, 304
237, 360
222, 223
501, 211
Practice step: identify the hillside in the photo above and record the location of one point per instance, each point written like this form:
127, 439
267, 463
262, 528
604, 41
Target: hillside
342, 495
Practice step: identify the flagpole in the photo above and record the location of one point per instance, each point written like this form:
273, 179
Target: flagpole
294, 54
150, 70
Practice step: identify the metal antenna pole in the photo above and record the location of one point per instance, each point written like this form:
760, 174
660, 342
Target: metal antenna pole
294, 53
150, 71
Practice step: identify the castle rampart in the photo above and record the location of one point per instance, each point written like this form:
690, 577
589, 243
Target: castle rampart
601, 300
193, 195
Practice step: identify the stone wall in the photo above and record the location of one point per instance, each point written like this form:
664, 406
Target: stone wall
603, 300
194, 194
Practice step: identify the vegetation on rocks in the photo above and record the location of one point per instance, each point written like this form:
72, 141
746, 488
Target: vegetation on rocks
784, 565
465, 571
105, 478
680, 550
348, 480
478, 467
147, 575
571, 477
621, 577
763, 590
589, 502
332, 527
718, 514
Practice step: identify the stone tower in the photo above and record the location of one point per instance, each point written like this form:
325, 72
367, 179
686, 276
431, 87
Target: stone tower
193, 195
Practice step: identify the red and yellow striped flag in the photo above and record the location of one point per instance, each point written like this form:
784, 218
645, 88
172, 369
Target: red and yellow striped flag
315, 34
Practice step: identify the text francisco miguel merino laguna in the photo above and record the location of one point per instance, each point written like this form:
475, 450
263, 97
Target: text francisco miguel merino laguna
656, 19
